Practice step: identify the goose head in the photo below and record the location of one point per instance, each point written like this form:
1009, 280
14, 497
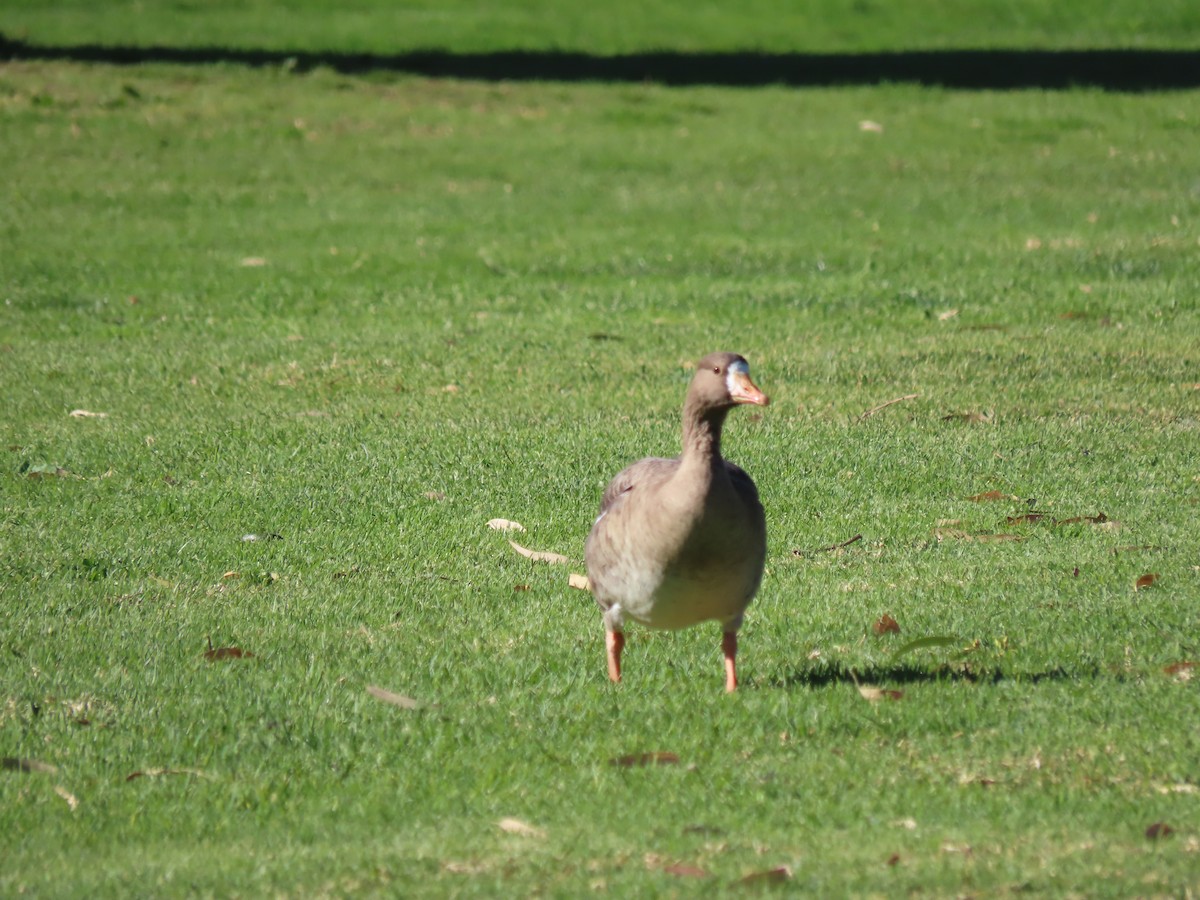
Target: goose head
722, 381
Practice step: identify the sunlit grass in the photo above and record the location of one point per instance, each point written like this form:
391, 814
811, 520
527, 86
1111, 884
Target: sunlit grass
368, 315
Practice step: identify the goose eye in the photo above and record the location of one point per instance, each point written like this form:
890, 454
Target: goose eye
716, 370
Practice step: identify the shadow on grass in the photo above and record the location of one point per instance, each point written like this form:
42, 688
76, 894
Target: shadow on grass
906, 674
1111, 69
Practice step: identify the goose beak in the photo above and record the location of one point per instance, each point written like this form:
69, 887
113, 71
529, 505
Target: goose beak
743, 390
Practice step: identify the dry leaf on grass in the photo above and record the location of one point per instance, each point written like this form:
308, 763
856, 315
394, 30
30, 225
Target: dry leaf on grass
885, 624
1183, 787
579, 582
1145, 581
683, 870
516, 826
215, 653
504, 525
72, 800
1180, 671
1027, 519
990, 496
22, 764
778, 875
869, 125
539, 555
1159, 830
253, 262
434, 495
875, 694
394, 699
655, 758
87, 414
1098, 519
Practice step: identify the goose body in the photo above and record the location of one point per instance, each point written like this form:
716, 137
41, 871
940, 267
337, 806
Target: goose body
682, 541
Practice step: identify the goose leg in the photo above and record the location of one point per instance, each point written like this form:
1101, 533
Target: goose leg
615, 643
729, 648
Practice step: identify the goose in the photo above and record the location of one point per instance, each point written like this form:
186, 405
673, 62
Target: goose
682, 541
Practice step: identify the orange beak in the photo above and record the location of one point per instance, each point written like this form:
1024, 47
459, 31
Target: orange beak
743, 390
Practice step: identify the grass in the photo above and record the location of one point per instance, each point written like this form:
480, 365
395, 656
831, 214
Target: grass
379, 26
369, 314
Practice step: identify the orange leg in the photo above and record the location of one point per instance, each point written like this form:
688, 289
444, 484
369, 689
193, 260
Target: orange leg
615, 642
729, 648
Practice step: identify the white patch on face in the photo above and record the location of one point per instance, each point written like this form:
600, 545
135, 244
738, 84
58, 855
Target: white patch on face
736, 368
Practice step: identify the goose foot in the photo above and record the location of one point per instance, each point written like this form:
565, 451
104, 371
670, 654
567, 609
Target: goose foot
615, 643
729, 648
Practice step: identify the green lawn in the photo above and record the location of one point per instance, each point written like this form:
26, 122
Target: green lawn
358, 317
621, 26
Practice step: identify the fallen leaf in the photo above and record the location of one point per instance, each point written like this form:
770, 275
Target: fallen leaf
989, 496
516, 826
434, 495
683, 870
72, 800
950, 534
214, 653
538, 555
520, 587
1183, 787
22, 764
949, 847
1145, 581
1098, 519
1159, 830
893, 859
874, 694
655, 758
908, 823
394, 699
886, 625
579, 582
253, 261
1180, 671
45, 470
868, 125
504, 525
778, 875
947, 315
87, 414
982, 780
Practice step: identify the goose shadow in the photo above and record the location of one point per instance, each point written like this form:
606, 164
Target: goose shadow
823, 675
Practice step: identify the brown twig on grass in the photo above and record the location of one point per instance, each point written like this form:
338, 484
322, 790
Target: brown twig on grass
874, 409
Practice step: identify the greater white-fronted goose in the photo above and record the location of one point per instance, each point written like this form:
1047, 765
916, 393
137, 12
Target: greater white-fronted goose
681, 541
